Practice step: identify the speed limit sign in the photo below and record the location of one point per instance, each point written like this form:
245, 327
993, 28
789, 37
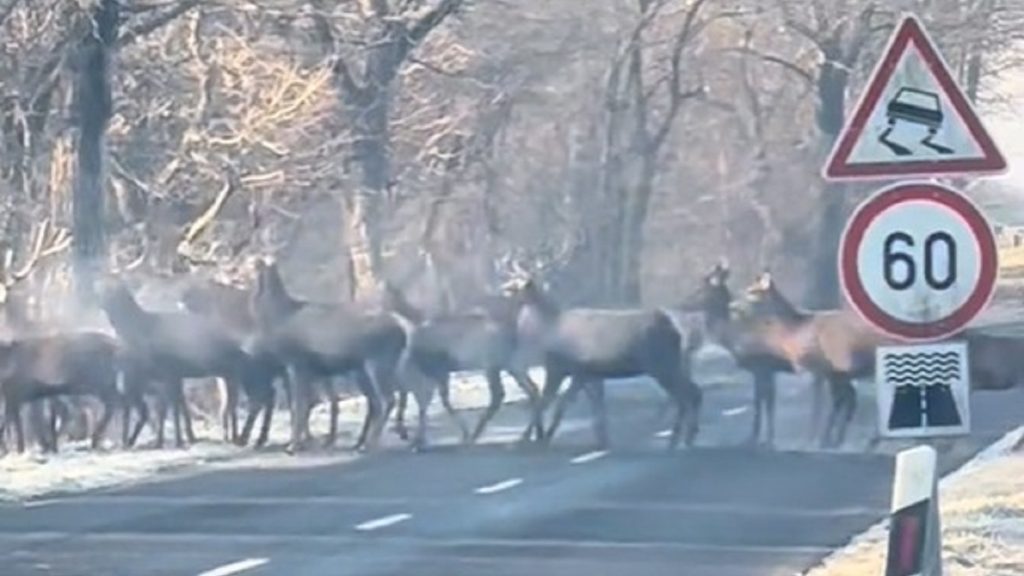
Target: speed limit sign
918, 261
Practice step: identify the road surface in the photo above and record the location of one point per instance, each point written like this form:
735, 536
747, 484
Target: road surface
498, 509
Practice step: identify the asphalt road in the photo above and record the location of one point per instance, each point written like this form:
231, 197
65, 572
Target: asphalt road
499, 509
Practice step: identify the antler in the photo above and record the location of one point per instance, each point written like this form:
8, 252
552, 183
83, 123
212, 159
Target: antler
45, 242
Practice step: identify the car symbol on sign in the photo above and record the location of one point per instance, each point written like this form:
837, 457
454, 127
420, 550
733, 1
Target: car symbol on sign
916, 106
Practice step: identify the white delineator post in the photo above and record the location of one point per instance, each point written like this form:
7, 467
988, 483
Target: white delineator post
915, 533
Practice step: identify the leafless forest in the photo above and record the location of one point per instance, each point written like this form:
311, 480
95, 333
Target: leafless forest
626, 144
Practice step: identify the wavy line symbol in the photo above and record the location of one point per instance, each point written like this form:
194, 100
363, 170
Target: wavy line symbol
922, 385
923, 368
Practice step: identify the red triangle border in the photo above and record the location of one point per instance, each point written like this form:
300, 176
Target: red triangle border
911, 32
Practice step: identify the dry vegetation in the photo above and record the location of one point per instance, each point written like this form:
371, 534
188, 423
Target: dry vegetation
633, 141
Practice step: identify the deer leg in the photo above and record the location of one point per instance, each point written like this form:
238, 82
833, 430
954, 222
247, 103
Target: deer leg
161, 416
832, 422
109, 406
688, 398
849, 403
817, 404
14, 417
497, 398
268, 415
442, 378
228, 408
424, 396
553, 379
137, 400
400, 428
186, 413
44, 423
373, 407
769, 401
178, 411
536, 415
258, 383
250, 418
332, 399
47, 424
755, 431
298, 381
576, 384
594, 390
385, 379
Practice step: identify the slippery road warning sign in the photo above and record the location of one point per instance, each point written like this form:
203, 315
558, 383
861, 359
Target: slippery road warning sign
913, 119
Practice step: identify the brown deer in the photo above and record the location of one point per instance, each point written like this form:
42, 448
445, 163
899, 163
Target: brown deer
320, 341
169, 347
590, 345
42, 367
713, 299
835, 345
230, 306
481, 338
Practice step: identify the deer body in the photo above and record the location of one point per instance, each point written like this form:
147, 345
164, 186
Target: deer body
483, 338
590, 345
318, 342
172, 346
42, 367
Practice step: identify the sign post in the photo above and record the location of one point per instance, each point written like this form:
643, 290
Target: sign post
915, 543
918, 261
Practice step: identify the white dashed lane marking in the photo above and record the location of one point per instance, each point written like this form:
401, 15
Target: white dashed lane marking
382, 522
589, 457
500, 486
236, 567
735, 411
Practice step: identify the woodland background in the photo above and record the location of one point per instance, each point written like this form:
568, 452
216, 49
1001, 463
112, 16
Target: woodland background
626, 144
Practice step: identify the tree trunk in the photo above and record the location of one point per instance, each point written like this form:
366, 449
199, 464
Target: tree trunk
637, 205
362, 240
92, 111
825, 278
372, 156
823, 291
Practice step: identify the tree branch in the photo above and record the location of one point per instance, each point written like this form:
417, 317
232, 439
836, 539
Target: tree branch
207, 217
155, 23
777, 60
676, 93
431, 18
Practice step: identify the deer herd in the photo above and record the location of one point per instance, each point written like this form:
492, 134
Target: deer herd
262, 340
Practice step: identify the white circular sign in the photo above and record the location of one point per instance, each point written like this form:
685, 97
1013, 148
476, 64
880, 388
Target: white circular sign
918, 261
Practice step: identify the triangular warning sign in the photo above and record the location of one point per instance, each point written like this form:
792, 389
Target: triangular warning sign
913, 119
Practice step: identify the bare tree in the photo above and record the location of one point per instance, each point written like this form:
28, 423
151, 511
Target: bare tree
383, 37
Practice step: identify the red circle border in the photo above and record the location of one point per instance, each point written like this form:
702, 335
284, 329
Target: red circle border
853, 236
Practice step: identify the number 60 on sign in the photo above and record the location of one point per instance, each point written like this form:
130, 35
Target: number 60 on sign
918, 261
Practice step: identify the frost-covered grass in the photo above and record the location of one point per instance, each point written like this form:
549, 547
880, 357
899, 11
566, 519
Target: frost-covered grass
77, 468
982, 516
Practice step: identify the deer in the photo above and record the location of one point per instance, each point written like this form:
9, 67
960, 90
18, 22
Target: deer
713, 300
836, 346
318, 341
169, 347
589, 345
230, 306
41, 367
482, 338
